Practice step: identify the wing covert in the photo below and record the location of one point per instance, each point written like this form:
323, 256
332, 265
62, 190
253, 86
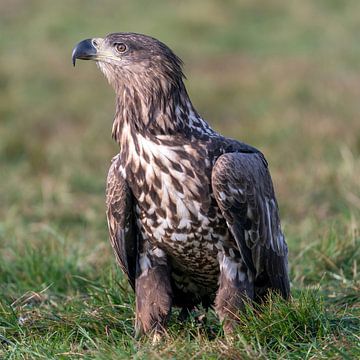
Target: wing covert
244, 192
121, 221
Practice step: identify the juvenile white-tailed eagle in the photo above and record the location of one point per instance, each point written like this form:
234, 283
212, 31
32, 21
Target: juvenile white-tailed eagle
192, 215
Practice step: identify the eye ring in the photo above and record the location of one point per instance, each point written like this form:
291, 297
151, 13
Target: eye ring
120, 47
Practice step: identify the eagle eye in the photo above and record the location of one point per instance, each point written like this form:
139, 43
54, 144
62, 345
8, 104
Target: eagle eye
120, 47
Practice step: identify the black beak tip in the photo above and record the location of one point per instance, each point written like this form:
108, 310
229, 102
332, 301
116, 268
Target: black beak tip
73, 58
84, 50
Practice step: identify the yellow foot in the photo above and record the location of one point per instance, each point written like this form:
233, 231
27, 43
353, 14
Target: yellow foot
156, 338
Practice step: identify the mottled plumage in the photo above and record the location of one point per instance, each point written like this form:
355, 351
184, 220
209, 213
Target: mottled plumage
192, 215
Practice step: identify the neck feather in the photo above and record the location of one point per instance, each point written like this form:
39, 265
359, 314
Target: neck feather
161, 107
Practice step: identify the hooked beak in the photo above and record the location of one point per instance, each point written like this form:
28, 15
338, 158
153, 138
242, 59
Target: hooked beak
84, 50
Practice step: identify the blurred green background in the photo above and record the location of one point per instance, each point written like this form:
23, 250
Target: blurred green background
283, 76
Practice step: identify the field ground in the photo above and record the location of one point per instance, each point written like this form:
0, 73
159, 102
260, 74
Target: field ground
283, 76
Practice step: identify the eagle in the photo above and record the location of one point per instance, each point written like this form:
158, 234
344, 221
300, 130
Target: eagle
192, 215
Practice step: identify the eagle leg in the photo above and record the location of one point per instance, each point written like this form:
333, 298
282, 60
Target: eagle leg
235, 287
153, 296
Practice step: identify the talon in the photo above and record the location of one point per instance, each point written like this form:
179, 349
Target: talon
156, 338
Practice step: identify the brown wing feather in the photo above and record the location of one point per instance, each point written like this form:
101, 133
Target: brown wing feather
244, 192
121, 221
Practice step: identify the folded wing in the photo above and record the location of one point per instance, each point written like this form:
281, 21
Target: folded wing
123, 231
244, 192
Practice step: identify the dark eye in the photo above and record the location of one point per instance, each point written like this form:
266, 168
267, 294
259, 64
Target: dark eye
120, 47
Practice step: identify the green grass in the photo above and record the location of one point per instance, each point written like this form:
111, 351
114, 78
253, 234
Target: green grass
283, 76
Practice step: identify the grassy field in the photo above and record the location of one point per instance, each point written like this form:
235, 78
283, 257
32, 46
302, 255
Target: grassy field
282, 76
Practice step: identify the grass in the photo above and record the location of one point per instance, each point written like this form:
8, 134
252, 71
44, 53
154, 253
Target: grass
281, 76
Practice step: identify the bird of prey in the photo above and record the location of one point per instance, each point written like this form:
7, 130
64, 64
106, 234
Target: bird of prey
192, 215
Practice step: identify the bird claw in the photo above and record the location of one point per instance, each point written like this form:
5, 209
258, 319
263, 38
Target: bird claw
156, 338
